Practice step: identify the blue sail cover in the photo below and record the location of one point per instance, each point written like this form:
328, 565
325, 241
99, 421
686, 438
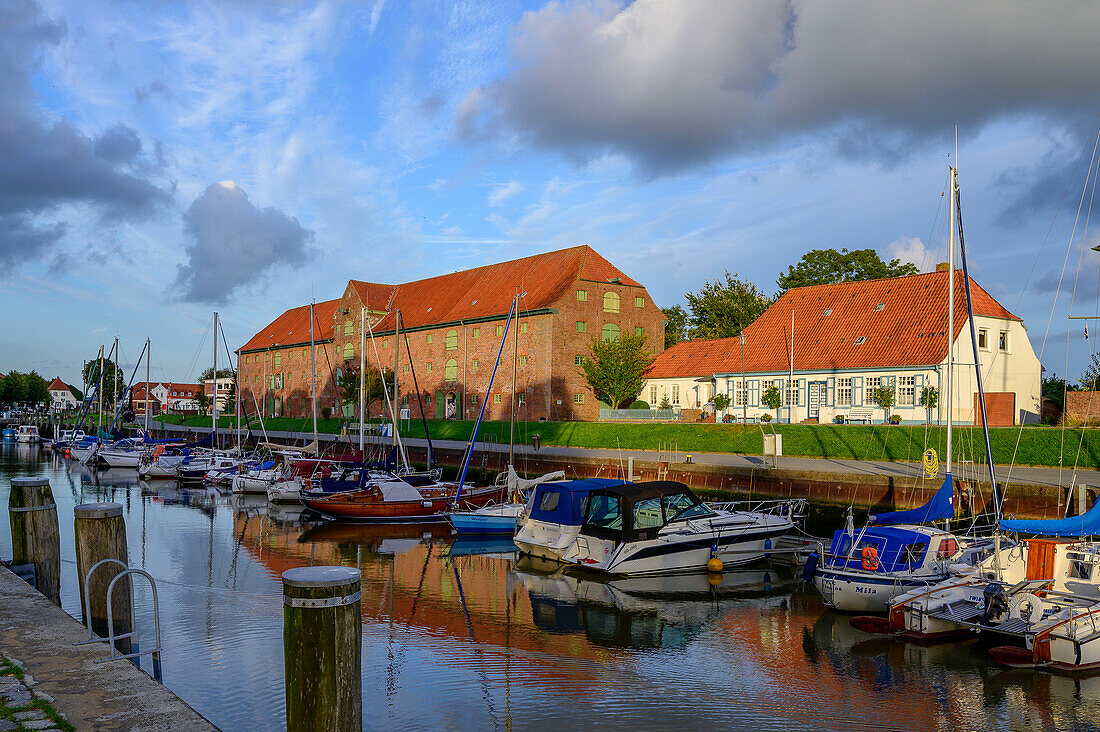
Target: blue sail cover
940, 506
1087, 524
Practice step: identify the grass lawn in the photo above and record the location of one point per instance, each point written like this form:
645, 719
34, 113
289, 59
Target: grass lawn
1037, 445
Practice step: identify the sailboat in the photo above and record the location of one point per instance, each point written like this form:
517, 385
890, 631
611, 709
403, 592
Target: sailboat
900, 551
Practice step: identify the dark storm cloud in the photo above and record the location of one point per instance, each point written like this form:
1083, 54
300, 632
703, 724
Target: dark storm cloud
47, 162
233, 243
674, 83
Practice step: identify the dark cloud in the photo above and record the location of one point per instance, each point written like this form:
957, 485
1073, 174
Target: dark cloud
49, 163
675, 83
233, 243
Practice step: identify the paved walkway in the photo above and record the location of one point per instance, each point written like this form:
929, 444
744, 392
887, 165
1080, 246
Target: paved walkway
1029, 475
112, 696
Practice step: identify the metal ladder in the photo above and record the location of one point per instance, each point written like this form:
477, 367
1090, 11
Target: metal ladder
111, 636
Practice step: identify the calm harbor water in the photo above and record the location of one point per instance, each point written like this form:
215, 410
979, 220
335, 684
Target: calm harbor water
461, 635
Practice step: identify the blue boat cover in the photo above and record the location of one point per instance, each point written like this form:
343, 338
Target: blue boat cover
568, 507
940, 506
1087, 524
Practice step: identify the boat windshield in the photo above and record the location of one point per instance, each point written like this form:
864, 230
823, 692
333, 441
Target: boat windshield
604, 511
683, 506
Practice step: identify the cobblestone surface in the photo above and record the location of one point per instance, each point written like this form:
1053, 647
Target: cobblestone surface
16, 693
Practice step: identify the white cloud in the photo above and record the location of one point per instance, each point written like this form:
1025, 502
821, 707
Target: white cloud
911, 249
500, 194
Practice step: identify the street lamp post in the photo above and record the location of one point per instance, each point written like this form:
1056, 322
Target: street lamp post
744, 385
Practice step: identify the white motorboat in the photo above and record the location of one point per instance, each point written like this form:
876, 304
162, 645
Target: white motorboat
122, 454
554, 514
662, 527
27, 433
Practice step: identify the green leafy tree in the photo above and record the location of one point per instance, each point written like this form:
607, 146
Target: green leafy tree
665, 403
1091, 377
614, 368
208, 373
347, 385
202, 400
724, 309
883, 396
113, 379
231, 398
929, 399
376, 385
14, 388
38, 389
676, 327
721, 402
825, 266
772, 399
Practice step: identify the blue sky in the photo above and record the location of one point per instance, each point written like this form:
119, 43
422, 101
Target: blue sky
391, 141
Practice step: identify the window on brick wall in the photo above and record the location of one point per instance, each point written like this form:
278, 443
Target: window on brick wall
578, 360
428, 339
907, 387
639, 331
473, 399
500, 330
452, 340
611, 302
610, 332
474, 363
477, 332
496, 398
578, 398
521, 398
406, 368
523, 327
385, 342
450, 371
582, 326
522, 360
844, 392
639, 302
278, 360
348, 328
429, 367
348, 351
582, 295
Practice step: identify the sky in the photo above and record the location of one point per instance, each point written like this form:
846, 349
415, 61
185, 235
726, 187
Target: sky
162, 161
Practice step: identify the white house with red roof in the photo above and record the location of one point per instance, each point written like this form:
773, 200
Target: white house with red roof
828, 347
165, 396
63, 396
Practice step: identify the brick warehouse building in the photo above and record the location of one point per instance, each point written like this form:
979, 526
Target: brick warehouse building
454, 324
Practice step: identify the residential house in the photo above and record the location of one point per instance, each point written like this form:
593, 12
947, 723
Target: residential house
63, 396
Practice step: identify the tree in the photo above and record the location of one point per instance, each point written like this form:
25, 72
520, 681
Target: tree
883, 396
676, 328
208, 373
721, 403
113, 379
614, 368
347, 386
231, 397
665, 403
825, 266
377, 385
202, 399
1089, 379
722, 310
772, 399
38, 390
13, 389
929, 398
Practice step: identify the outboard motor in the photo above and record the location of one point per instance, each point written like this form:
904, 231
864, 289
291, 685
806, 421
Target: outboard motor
995, 601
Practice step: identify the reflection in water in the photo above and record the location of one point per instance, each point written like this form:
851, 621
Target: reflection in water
459, 634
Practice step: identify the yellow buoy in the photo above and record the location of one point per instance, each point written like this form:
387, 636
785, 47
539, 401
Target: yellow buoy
714, 564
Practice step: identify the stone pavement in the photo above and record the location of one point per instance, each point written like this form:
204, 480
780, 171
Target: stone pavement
18, 695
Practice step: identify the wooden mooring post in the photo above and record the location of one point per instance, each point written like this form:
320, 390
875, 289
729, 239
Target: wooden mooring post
101, 534
34, 533
322, 648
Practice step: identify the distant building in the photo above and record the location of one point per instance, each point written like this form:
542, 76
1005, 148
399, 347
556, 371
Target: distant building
845, 340
63, 396
454, 325
224, 388
165, 396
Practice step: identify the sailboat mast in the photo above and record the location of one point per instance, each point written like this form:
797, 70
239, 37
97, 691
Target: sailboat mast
99, 390
313, 372
148, 358
362, 371
214, 410
396, 362
114, 381
950, 318
515, 362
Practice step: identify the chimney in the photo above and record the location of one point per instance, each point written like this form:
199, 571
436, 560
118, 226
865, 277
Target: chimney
942, 267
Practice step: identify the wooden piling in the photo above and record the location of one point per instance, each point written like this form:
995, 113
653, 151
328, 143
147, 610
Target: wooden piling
34, 533
101, 534
322, 648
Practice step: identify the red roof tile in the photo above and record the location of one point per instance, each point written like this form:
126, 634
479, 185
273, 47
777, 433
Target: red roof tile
58, 385
293, 327
910, 329
375, 297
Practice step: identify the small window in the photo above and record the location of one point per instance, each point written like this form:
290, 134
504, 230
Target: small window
348, 328
477, 332
652, 395
428, 339
610, 332
639, 331
1002, 342
278, 360
639, 302
473, 399
452, 340
523, 327
429, 367
522, 360
983, 339
496, 398
827, 312
500, 330
880, 307
578, 398
474, 363
428, 399
405, 400
1079, 569
348, 352
385, 342
450, 371
860, 341
549, 501
582, 295
578, 360
406, 368
611, 302
582, 326
522, 398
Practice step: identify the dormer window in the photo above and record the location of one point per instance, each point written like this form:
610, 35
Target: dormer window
860, 341
881, 306
826, 312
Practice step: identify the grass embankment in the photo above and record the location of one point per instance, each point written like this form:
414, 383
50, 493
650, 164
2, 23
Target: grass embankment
1037, 445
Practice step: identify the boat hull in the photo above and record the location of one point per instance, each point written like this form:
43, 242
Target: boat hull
545, 540
361, 506
866, 592
489, 520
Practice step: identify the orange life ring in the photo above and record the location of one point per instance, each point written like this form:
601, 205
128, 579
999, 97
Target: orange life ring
870, 558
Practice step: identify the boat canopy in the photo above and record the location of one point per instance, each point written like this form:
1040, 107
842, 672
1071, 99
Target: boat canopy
637, 511
1087, 524
940, 506
563, 502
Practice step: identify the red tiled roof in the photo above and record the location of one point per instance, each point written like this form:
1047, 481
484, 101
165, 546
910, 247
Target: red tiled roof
58, 385
910, 330
374, 296
293, 326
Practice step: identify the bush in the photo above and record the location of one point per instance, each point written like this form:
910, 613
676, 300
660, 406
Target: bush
895, 419
639, 404
765, 417
326, 412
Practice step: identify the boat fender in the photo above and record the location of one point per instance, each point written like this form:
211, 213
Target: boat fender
810, 569
870, 558
426, 504
1034, 607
